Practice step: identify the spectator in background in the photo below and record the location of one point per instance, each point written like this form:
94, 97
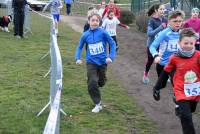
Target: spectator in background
55, 5
102, 7
194, 23
18, 8
112, 6
68, 6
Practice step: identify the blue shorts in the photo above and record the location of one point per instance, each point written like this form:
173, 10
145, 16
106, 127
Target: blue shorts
56, 17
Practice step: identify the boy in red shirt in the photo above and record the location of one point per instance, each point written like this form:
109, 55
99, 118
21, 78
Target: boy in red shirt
186, 80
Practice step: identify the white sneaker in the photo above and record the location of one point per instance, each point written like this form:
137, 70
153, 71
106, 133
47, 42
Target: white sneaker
97, 108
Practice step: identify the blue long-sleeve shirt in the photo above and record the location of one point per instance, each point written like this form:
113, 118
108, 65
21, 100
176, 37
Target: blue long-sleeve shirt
154, 27
169, 38
96, 51
68, 1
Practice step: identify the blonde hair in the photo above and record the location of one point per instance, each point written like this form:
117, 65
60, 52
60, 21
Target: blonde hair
91, 11
94, 12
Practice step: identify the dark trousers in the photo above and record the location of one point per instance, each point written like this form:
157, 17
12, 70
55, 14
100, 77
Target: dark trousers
115, 39
18, 23
159, 69
96, 78
184, 112
150, 60
68, 7
197, 46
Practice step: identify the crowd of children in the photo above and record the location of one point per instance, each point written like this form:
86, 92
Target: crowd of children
173, 45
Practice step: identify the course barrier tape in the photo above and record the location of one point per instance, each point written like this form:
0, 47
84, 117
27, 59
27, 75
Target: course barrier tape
51, 124
46, 16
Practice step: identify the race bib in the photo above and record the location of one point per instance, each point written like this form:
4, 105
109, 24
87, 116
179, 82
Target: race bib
96, 48
112, 32
172, 45
192, 89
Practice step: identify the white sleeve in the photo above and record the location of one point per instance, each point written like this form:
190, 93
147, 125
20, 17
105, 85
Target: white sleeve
117, 21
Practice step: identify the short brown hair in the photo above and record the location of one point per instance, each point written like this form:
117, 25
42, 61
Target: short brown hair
187, 32
175, 14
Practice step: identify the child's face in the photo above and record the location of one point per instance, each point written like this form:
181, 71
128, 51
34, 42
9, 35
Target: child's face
187, 43
111, 15
195, 14
161, 10
176, 23
111, 3
103, 4
94, 22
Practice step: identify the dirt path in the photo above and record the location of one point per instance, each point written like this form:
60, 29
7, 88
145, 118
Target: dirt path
129, 67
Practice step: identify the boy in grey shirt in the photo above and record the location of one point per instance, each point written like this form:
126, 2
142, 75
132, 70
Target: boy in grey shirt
55, 6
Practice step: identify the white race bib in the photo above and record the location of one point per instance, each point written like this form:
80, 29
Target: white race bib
112, 32
96, 48
172, 45
192, 89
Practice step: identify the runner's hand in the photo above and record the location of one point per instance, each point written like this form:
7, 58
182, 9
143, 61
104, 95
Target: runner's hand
79, 62
108, 61
164, 25
127, 27
157, 59
156, 94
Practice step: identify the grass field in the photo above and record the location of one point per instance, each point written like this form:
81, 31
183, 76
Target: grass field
24, 91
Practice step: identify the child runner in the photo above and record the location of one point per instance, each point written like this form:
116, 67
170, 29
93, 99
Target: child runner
169, 37
194, 23
68, 6
156, 23
112, 6
102, 8
186, 63
96, 58
55, 5
110, 25
91, 10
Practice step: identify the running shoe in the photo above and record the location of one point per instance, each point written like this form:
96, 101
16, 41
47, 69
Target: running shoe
97, 108
145, 78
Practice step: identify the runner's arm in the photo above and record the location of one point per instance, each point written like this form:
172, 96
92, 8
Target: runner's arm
155, 44
47, 6
104, 12
152, 32
79, 48
123, 25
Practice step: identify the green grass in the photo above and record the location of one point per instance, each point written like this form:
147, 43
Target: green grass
24, 91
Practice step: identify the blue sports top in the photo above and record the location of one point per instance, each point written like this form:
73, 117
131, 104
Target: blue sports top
154, 27
96, 50
169, 38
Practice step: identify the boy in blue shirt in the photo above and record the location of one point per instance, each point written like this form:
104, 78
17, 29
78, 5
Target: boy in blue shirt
169, 38
97, 59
